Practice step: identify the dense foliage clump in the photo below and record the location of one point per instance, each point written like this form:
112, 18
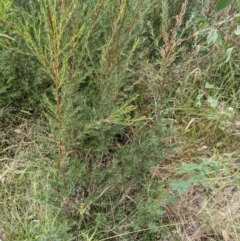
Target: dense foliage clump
114, 114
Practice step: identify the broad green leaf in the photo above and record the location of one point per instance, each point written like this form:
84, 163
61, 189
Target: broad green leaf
228, 53
238, 4
202, 24
209, 86
212, 101
199, 96
219, 39
212, 36
198, 100
237, 32
221, 4
198, 103
200, 18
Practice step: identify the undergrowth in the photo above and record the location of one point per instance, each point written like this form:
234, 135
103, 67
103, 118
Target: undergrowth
119, 120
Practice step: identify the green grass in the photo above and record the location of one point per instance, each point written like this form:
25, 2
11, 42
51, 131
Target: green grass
119, 121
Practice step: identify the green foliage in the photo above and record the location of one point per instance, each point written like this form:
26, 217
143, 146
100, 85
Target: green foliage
109, 80
5, 6
221, 4
197, 173
21, 85
237, 32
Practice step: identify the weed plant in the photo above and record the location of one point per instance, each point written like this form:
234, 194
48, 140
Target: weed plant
110, 112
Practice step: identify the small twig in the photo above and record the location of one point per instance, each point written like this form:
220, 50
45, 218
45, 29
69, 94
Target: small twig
234, 40
209, 11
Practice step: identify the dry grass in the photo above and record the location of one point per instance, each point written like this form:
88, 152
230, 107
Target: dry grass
209, 210
202, 214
